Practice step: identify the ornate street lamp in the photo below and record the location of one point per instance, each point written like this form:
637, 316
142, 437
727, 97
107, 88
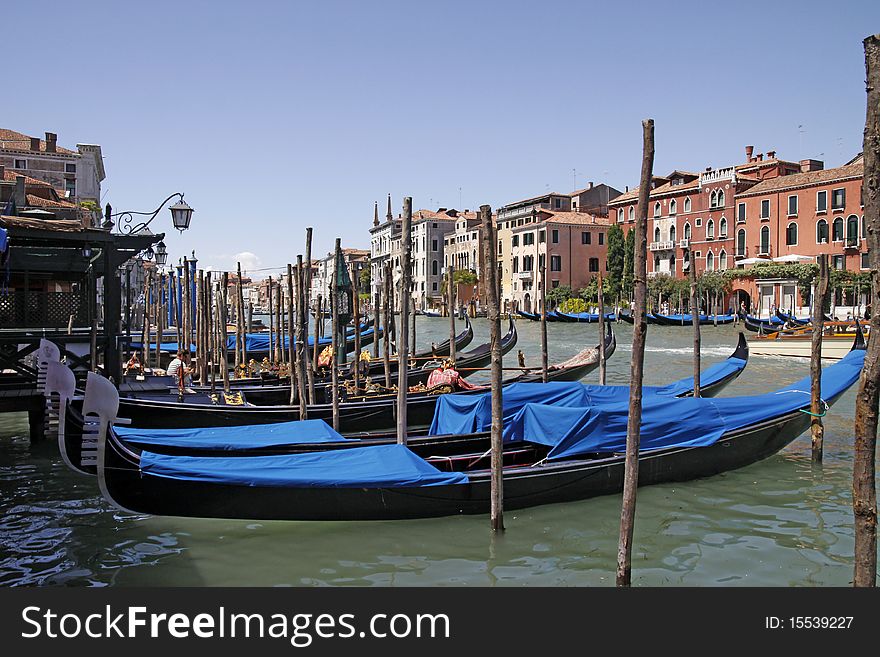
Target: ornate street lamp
181, 215
161, 254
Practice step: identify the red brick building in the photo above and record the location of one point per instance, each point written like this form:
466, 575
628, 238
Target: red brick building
762, 208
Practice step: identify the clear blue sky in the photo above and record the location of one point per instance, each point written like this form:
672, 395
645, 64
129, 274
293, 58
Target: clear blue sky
272, 116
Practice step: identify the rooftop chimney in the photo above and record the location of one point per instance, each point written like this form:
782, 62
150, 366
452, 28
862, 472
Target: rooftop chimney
811, 165
20, 196
591, 185
749, 151
771, 155
51, 142
35, 144
759, 157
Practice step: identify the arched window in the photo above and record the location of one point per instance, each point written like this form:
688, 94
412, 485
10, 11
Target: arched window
821, 231
791, 234
722, 227
863, 226
720, 203
710, 229
620, 216
656, 262
765, 240
687, 204
672, 264
852, 229
657, 233
741, 242
722, 260
687, 230
433, 267
672, 233
710, 261
657, 209
632, 213
713, 199
673, 206
837, 230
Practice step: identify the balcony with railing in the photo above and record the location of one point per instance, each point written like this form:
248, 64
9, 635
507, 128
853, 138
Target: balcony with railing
851, 243
523, 275
662, 246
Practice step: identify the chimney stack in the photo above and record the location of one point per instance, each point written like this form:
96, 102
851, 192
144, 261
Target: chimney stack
591, 185
749, 151
20, 196
759, 157
35, 144
771, 155
51, 142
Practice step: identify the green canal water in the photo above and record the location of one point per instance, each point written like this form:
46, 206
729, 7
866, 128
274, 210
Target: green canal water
781, 522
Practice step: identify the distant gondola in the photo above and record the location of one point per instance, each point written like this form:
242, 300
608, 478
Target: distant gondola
687, 319
552, 454
584, 318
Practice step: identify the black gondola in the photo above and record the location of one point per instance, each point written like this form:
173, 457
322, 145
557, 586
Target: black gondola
450, 477
714, 379
685, 320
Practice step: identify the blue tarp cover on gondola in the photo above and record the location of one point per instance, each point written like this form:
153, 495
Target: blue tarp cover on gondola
685, 422
380, 466
234, 438
467, 413
455, 414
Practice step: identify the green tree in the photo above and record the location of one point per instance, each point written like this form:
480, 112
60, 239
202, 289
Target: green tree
629, 250
558, 295
365, 280
616, 247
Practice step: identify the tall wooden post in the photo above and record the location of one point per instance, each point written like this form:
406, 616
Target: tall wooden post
640, 329
695, 319
160, 315
294, 347
185, 308
820, 296
224, 305
602, 364
203, 330
302, 335
334, 329
868, 395
403, 336
209, 328
319, 332
279, 325
242, 320
493, 313
271, 352
386, 337
310, 363
450, 294
145, 336
377, 304
544, 357
356, 308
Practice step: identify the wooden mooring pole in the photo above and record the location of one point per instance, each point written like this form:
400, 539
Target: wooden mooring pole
304, 317
403, 336
450, 295
868, 395
640, 330
544, 355
695, 319
493, 313
820, 297
386, 315
334, 309
602, 364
